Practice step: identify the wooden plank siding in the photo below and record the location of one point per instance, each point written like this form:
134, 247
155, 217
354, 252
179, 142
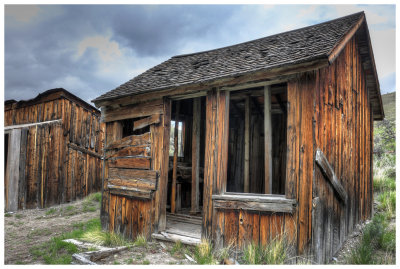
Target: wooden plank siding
136, 172
56, 165
343, 132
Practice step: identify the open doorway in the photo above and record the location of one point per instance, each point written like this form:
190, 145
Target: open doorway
186, 167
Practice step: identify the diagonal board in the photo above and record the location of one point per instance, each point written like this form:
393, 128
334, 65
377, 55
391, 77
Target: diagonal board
330, 175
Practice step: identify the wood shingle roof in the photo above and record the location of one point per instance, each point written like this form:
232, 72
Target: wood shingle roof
284, 49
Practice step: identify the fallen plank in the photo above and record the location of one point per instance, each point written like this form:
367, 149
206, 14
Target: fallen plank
174, 238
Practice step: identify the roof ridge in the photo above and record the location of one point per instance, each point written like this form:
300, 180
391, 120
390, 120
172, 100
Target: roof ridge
254, 40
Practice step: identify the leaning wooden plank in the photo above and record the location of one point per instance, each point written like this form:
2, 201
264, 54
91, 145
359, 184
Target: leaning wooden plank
153, 119
83, 150
129, 192
149, 175
254, 206
132, 140
329, 174
132, 111
135, 183
141, 163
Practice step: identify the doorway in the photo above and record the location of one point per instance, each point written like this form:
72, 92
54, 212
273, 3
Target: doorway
186, 167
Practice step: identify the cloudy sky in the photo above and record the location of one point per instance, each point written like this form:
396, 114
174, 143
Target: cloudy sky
91, 49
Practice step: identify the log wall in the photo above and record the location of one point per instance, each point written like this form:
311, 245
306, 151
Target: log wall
60, 160
343, 132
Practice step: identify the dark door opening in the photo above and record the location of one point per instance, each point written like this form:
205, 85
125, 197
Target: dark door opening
188, 119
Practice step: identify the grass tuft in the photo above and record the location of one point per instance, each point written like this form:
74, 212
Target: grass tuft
51, 211
140, 241
203, 253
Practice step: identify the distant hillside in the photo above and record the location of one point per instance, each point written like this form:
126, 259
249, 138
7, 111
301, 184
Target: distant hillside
389, 105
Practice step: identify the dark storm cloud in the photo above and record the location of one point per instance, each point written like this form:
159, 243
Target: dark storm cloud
41, 52
158, 30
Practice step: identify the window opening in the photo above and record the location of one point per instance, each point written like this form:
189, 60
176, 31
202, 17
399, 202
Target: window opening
246, 148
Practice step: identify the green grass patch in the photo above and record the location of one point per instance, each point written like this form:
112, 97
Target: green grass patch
39, 232
56, 251
51, 211
7, 215
376, 236
19, 216
387, 202
146, 262
140, 241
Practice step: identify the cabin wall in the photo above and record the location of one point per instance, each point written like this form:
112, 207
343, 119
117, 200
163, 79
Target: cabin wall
136, 171
224, 221
59, 160
344, 133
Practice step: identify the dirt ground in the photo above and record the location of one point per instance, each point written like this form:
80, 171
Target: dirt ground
28, 228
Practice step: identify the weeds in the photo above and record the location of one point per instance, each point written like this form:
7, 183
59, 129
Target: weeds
253, 254
177, 248
95, 235
51, 211
203, 253
387, 202
376, 236
140, 241
7, 215
275, 252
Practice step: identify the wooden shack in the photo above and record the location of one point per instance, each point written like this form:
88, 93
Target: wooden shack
53, 150
270, 137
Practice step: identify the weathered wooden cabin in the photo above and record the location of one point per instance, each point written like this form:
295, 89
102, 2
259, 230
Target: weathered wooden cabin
270, 137
53, 150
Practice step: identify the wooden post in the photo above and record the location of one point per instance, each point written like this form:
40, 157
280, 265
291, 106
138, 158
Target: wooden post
267, 140
247, 144
173, 186
195, 155
13, 159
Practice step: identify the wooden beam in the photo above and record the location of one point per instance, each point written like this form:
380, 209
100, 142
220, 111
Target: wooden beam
132, 111
139, 124
253, 206
270, 203
195, 155
31, 124
247, 144
267, 141
174, 168
330, 175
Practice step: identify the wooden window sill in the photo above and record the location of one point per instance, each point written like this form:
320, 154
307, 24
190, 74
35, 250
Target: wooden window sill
254, 202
